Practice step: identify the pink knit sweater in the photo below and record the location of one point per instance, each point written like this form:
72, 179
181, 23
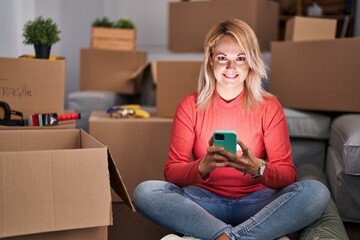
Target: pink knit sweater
263, 130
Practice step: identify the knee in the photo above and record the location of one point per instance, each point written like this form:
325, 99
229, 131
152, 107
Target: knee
145, 191
318, 193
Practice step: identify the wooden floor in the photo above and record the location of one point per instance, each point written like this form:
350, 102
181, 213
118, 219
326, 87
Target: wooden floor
353, 230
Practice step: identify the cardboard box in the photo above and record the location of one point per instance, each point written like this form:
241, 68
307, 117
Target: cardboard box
174, 80
113, 38
189, 22
309, 28
33, 85
317, 75
53, 181
113, 71
139, 145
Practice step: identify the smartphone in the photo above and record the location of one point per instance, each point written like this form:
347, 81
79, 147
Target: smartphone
226, 139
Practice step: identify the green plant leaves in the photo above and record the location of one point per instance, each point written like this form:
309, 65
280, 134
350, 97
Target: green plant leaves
41, 31
121, 23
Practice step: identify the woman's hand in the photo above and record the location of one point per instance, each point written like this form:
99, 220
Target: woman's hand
214, 158
245, 162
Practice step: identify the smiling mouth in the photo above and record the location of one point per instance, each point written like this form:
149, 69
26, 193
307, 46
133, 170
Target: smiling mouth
230, 75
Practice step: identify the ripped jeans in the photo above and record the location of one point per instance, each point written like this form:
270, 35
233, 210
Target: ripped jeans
265, 214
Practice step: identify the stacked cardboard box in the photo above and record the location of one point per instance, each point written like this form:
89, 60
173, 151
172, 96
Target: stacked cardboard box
174, 80
141, 145
313, 70
55, 184
317, 75
190, 21
33, 85
308, 28
138, 145
113, 71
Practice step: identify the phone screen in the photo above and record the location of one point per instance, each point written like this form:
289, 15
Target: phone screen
226, 139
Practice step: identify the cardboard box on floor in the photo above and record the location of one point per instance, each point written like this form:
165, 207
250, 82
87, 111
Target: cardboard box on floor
110, 70
139, 145
309, 28
189, 22
317, 75
33, 85
55, 184
174, 80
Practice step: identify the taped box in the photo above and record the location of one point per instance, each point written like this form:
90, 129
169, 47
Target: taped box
55, 184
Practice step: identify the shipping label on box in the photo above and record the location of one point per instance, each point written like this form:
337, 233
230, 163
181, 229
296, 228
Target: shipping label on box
54, 180
317, 75
174, 80
33, 85
114, 71
151, 136
309, 28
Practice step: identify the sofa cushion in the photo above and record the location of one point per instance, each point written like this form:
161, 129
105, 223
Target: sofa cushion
305, 124
329, 225
345, 141
85, 102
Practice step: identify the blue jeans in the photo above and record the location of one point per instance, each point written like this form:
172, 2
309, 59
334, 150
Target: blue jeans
265, 214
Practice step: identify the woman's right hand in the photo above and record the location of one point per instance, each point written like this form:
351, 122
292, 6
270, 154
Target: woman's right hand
212, 160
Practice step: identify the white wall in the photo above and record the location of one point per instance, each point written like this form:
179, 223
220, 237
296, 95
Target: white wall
74, 18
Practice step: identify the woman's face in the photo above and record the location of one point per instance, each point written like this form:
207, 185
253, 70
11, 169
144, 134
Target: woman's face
229, 64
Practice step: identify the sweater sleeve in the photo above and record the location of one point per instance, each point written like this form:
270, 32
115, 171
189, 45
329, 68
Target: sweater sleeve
180, 169
280, 170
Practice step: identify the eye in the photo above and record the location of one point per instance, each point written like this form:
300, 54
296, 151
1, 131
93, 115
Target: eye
221, 58
241, 58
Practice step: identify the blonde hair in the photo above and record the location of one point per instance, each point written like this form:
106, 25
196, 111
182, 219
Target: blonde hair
245, 36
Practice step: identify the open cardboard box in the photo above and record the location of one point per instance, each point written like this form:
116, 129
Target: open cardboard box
112, 70
33, 85
56, 184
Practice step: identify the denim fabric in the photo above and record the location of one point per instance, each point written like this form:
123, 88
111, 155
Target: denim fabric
265, 214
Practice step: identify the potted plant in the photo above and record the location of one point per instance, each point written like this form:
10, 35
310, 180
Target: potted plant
119, 35
42, 33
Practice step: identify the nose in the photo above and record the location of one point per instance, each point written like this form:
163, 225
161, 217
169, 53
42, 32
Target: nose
230, 65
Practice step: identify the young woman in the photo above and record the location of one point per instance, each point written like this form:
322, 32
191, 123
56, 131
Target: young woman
210, 193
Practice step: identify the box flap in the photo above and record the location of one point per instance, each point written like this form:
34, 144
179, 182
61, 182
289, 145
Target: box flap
117, 184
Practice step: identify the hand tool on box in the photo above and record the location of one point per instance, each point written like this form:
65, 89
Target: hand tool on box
5, 116
39, 119
50, 119
127, 111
